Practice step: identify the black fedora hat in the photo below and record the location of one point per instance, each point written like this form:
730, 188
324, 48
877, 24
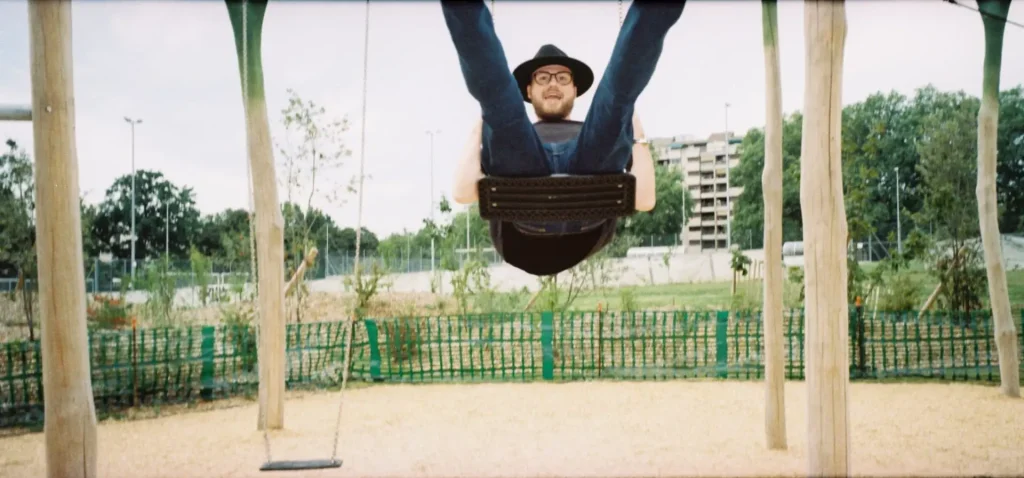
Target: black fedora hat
582, 75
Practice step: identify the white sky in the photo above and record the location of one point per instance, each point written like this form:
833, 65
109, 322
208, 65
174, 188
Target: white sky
173, 65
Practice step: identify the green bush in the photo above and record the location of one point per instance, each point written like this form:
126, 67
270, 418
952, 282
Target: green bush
900, 292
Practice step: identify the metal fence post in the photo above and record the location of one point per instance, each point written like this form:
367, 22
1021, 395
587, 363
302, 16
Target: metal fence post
722, 344
207, 355
547, 321
374, 340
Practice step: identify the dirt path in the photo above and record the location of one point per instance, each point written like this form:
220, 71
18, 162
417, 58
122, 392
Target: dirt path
577, 429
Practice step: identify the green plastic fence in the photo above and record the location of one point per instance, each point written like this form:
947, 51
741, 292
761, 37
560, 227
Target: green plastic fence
181, 365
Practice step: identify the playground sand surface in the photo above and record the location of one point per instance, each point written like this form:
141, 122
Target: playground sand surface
682, 428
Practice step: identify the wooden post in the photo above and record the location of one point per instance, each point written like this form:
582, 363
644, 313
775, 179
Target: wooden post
771, 185
988, 205
300, 271
70, 411
825, 240
247, 23
931, 301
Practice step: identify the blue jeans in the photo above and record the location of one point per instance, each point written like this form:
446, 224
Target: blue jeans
510, 144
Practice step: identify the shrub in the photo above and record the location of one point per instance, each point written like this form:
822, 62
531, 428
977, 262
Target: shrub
240, 333
901, 294
402, 338
108, 313
964, 280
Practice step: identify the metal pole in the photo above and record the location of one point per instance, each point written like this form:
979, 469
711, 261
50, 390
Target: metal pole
167, 230
15, 113
432, 133
899, 227
132, 260
432, 201
728, 193
682, 182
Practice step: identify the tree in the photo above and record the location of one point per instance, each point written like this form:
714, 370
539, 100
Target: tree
315, 150
878, 137
17, 223
479, 231
90, 245
415, 245
880, 134
344, 240
1010, 174
993, 16
748, 216
947, 167
666, 219
224, 236
159, 204
442, 230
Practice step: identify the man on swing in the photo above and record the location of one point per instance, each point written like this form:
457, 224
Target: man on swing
505, 143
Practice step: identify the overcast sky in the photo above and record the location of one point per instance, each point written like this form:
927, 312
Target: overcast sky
173, 65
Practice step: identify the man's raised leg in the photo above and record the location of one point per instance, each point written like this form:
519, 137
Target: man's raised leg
513, 147
605, 144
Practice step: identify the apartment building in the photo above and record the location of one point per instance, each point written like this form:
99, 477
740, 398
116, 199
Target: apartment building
705, 171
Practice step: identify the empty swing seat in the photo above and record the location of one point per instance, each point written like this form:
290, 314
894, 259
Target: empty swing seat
557, 198
296, 465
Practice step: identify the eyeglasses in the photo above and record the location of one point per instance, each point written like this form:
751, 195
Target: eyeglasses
543, 77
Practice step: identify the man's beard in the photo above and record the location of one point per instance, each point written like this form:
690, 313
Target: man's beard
561, 111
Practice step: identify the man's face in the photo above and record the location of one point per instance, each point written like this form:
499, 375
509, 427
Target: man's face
552, 92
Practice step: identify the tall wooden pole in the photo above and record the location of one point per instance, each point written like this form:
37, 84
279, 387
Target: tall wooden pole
825, 240
771, 185
988, 205
70, 412
247, 23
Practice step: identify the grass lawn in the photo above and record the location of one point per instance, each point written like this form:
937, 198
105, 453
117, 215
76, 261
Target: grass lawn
716, 295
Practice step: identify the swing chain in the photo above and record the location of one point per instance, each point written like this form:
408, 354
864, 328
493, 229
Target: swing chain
359, 228
253, 271
344, 380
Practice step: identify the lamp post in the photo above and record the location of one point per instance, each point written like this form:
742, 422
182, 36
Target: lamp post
899, 227
431, 134
728, 193
133, 122
167, 230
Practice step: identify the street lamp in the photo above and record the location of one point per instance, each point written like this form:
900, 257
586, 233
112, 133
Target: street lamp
728, 193
431, 134
167, 230
899, 227
133, 123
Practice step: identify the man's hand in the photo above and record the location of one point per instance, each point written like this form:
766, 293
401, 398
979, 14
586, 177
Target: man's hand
643, 170
469, 172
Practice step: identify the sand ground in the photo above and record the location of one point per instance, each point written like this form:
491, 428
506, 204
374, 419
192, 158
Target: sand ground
681, 428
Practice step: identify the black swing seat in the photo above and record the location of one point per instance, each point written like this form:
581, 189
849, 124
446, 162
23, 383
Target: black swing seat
295, 465
558, 197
